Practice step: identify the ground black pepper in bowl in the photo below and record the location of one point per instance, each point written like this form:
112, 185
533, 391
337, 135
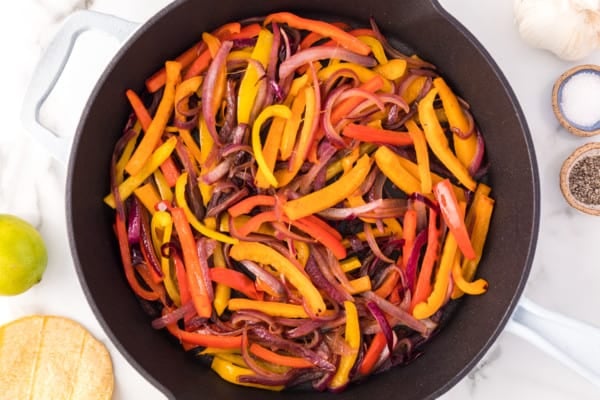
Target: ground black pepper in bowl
580, 179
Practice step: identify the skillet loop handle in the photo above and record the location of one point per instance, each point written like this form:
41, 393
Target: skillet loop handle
51, 66
574, 343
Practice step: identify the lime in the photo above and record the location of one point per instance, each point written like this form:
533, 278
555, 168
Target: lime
23, 255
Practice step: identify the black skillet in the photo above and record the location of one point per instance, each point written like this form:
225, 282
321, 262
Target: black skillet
423, 26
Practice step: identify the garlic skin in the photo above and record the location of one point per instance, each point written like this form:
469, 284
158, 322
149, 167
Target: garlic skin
568, 28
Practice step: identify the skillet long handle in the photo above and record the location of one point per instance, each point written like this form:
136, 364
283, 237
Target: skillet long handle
51, 66
574, 343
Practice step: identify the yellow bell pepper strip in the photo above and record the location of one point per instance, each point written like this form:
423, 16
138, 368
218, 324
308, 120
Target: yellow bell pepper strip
207, 145
148, 196
271, 150
436, 299
277, 110
453, 217
413, 90
438, 143
476, 287
376, 48
126, 154
360, 285
161, 227
465, 148
392, 70
331, 194
482, 191
212, 42
195, 278
199, 226
134, 181
164, 190
272, 308
263, 254
352, 337
323, 28
230, 372
222, 292
364, 74
483, 213
365, 133
306, 138
388, 163
422, 155
249, 84
292, 125
302, 252
350, 264
150, 139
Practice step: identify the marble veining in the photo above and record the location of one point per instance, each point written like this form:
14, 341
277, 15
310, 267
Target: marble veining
565, 276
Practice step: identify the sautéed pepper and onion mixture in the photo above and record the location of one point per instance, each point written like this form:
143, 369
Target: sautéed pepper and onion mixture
298, 201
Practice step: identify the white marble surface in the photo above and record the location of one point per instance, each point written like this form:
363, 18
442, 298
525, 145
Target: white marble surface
565, 275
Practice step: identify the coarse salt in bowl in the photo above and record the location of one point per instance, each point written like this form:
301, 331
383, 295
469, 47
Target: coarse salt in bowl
576, 100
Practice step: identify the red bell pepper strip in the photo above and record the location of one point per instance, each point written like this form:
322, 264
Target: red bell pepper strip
246, 205
453, 217
365, 133
325, 29
423, 286
236, 280
373, 353
205, 340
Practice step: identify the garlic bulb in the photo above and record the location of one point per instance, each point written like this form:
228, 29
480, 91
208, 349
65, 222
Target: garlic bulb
568, 28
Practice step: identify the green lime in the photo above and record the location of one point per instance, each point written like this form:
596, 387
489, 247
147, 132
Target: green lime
23, 255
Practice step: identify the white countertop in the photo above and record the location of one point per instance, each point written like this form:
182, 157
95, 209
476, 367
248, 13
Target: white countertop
565, 276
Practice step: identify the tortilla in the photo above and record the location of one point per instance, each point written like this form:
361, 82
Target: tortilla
49, 357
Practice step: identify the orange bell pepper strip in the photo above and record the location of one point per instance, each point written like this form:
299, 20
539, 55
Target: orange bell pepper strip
205, 340
279, 359
246, 205
277, 110
465, 148
372, 354
272, 308
127, 187
168, 167
409, 233
271, 150
199, 65
438, 143
263, 254
436, 299
148, 196
365, 133
331, 194
195, 279
325, 29
372, 85
181, 275
389, 163
352, 337
235, 280
246, 32
423, 286
454, 218
159, 78
422, 155
159, 122
314, 37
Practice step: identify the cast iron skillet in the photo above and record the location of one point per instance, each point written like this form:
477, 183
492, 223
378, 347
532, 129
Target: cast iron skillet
437, 37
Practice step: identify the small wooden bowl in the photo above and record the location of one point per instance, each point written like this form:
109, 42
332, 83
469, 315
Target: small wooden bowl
571, 126
590, 149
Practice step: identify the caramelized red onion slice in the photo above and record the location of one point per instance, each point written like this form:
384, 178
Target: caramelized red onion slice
399, 314
327, 285
383, 323
277, 289
317, 53
413, 260
173, 316
372, 242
